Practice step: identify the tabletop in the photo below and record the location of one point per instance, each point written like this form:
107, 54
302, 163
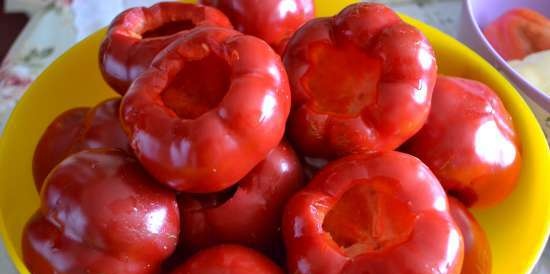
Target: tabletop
36, 47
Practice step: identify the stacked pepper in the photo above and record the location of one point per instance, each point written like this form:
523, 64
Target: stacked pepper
189, 171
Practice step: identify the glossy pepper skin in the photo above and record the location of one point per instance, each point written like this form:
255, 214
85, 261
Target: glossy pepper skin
48, 251
136, 36
228, 259
469, 142
76, 130
274, 21
56, 142
518, 33
361, 82
255, 206
101, 213
372, 213
211, 107
477, 251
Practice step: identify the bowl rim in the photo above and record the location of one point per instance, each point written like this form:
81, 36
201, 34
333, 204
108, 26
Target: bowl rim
540, 97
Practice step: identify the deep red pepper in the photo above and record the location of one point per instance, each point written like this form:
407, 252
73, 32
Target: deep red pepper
469, 142
101, 213
228, 259
76, 130
102, 128
477, 252
376, 213
48, 251
210, 108
56, 142
274, 21
518, 33
138, 34
255, 205
361, 82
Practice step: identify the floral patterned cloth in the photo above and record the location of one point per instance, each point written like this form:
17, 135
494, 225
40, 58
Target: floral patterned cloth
56, 25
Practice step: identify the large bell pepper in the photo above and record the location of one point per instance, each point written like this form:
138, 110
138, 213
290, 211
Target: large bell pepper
361, 82
210, 108
375, 213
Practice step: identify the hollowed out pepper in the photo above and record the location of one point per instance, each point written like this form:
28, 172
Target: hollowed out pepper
376, 213
209, 109
361, 82
136, 36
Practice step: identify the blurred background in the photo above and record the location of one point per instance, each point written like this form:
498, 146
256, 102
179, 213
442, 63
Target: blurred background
34, 32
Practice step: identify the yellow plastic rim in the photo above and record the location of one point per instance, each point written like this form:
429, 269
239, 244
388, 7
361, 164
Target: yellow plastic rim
517, 229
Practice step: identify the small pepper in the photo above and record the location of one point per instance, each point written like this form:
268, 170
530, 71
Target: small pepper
255, 205
274, 21
518, 33
136, 36
228, 259
477, 251
76, 130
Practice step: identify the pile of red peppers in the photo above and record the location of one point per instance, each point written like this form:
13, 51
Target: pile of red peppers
251, 137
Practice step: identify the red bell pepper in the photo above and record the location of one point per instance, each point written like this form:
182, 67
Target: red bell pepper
228, 259
210, 108
48, 251
477, 252
136, 36
76, 130
56, 142
255, 205
361, 82
101, 213
374, 213
469, 142
102, 128
518, 33
274, 21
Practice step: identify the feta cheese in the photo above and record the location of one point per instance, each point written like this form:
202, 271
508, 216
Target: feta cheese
535, 68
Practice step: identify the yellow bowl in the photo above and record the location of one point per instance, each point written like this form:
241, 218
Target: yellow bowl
517, 229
